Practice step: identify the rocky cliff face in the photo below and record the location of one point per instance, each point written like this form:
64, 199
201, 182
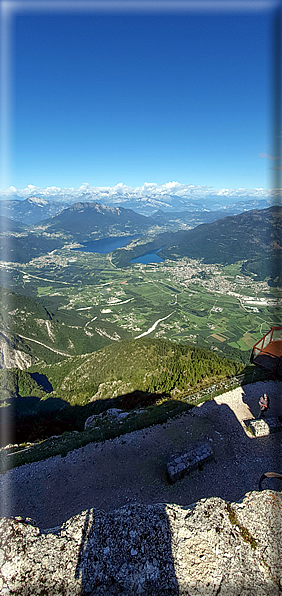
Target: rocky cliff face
209, 548
10, 354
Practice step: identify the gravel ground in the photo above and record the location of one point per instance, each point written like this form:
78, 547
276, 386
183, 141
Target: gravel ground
132, 468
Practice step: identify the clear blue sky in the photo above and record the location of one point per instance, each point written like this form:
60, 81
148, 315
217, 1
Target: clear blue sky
141, 98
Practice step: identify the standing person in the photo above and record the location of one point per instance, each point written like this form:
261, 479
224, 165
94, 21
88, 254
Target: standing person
263, 404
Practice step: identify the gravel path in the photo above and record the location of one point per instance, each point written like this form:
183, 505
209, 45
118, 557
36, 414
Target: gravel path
132, 468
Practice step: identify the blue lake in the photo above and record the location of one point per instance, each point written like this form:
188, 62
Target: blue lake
105, 245
147, 258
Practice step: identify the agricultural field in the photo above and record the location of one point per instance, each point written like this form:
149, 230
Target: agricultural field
186, 301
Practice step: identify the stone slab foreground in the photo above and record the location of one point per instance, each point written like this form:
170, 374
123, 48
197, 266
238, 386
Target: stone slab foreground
262, 427
208, 548
183, 464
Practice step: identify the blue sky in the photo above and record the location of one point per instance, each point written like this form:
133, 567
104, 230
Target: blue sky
134, 98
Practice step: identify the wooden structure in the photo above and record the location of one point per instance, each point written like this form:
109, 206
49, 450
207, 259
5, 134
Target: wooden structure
267, 352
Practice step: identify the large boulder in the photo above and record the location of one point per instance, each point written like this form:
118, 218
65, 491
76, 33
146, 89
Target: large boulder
112, 414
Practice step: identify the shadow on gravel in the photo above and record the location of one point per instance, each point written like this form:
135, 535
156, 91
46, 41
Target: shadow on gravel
103, 475
240, 459
252, 393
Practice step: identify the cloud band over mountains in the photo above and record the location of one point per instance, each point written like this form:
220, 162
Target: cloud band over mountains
149, 189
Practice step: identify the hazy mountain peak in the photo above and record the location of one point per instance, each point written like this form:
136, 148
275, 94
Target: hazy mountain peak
37, 201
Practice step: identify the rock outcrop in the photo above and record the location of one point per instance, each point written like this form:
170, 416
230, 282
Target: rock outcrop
209, 548
10, 354
110, 414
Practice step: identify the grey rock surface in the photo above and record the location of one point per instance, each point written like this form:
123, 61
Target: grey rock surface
209, 548
113, 413
11, 357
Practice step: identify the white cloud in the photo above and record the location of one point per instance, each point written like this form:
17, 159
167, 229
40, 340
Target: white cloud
149, 190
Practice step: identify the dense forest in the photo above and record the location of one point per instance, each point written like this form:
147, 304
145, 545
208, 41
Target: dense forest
16, 383
47, 400
148, 365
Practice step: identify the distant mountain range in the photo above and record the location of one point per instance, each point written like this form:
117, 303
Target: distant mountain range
146, 199
31, 210
35, 210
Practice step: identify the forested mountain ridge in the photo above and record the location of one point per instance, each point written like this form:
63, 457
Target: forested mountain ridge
9, 225
253, 236
26, 246
144, 378
248, 235
150, 365
16, 383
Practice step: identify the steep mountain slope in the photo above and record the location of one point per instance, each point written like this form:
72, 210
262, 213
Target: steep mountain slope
14, 352
15, 383
143, 365
254, 237
28, 332
248, 235
8, 225
83, 219
21, 249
